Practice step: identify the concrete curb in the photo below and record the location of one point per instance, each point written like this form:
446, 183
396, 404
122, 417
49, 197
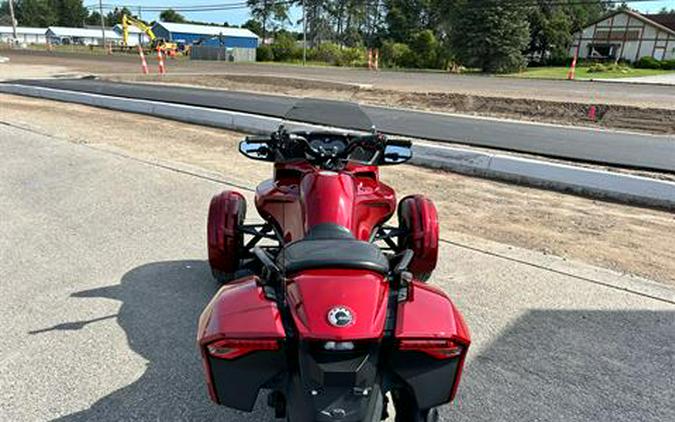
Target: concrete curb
567, 178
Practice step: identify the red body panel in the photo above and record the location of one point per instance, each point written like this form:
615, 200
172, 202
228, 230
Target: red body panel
429, 313
239, 311
312, 294
353, 198
328, 197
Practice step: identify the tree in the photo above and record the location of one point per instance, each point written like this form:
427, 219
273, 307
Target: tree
93, 19
425, 48
39, 13
70, 12
550, 33
492, 36
253, 26
285, 47
115, 16
268, 13
170, 15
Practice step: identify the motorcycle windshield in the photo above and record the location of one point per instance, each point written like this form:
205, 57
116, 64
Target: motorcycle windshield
331, 114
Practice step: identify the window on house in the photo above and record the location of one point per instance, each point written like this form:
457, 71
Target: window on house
602, 51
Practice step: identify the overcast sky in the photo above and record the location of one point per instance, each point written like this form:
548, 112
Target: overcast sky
240, 16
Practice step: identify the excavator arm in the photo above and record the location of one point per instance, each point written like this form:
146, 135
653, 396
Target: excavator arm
128, 20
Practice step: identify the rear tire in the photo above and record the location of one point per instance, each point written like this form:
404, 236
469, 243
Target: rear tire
225, 240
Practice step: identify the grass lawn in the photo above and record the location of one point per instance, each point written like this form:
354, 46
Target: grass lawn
582, 73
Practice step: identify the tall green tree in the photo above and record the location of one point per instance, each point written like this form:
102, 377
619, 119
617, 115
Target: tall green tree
253, 26
170, 15
269, 13
69, 12
492, 35
115, 16
550, 33
39, 13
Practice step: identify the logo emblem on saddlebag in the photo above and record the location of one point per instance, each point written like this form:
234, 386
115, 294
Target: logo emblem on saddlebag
340, 316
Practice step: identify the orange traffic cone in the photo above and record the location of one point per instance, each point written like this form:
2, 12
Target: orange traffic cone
572, 71
160, 58
144, 63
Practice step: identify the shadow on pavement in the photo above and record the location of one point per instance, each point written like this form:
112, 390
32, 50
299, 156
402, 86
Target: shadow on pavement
161, 303
559, 365
549, 365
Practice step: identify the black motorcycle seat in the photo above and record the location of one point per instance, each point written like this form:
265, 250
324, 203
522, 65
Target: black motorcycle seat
331, 246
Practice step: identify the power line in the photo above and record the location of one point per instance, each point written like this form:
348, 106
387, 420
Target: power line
244, 5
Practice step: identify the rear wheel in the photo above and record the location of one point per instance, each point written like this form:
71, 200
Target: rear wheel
225, 239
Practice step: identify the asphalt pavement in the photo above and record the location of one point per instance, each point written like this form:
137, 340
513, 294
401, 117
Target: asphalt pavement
634, 150
103, 276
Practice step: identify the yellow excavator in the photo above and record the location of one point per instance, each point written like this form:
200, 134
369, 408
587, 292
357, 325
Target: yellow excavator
169, 48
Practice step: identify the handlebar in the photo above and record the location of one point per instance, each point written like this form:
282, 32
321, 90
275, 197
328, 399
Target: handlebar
399, 143
282, 144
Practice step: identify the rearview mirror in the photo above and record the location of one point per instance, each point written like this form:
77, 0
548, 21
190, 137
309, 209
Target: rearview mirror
255, 150
396, 154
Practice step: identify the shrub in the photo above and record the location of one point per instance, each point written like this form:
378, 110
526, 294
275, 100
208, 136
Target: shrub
353, 56
425, 48
339, 56
327, 52
396, 54
648, 62
668, 64
609, 67
597, 68
285, 48
264, 53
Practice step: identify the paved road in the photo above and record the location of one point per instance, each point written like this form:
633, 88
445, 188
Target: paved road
579, 144
551, 90
103, 275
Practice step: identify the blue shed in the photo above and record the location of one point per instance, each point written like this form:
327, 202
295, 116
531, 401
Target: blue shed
239, 41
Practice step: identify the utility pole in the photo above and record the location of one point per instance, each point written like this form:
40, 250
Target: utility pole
100, 11
304, 33
11, 15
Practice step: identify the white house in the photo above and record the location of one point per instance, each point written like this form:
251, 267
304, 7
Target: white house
24, 34
136, 36
81, 36
627, 35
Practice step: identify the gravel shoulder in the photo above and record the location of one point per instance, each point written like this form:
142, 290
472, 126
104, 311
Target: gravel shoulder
622, 238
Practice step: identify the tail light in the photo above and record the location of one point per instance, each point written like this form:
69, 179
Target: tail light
438, 349
232, 349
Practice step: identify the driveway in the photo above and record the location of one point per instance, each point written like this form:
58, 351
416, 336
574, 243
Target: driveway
103, 276
667, 79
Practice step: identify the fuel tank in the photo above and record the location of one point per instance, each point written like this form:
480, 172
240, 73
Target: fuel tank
301, 196
338, 304
328, 197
